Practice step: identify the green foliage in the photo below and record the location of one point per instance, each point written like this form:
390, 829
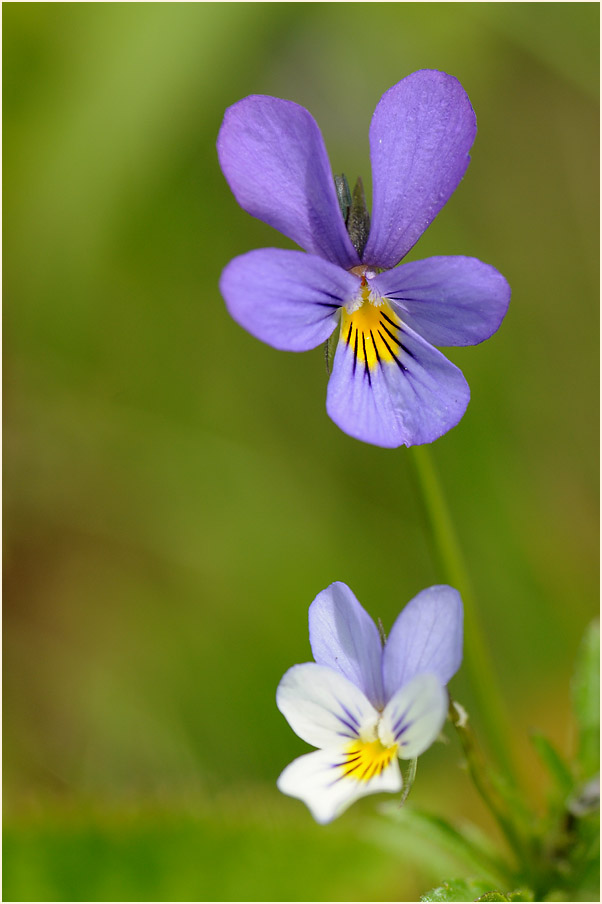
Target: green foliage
175, 494
250, 850
472, 890
586, 701
558, 769
433, 841
557, 852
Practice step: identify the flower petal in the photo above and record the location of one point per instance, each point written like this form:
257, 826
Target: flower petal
288, 299
344, 637
426, 637
272, 154
408, 396
447, 300
323, 707
414, 716
420, 135
316, 780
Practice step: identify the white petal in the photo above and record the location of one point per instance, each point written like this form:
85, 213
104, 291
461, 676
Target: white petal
323, 707
414, 716
317, 780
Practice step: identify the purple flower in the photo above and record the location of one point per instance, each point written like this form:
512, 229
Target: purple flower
364, 705
389, 385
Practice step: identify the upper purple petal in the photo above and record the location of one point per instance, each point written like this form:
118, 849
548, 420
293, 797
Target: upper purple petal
272, 153
420, 135
448, 300
343, 636
410, 400
288, 299
426, 637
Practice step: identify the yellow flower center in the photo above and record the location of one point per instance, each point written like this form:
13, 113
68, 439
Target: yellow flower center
366, 759
372, 331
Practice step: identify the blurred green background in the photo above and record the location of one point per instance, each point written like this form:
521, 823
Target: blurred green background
175, 494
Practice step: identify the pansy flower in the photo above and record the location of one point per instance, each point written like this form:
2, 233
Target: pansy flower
389, 385
365, 705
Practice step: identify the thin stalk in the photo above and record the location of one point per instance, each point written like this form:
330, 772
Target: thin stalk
487, 790
491, 710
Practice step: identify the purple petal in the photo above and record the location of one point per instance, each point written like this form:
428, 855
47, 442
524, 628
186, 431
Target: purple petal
410, 395
420, 135
447, 300
272, 154
288, 299
344, 637
426, 637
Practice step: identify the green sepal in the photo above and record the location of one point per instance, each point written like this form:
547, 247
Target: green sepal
409, 774
343, 195
358, 220
330, 348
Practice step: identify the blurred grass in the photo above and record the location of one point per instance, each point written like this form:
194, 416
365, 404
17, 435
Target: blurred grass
217, 853
175, 494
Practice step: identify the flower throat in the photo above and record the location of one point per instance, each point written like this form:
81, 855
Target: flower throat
373, 332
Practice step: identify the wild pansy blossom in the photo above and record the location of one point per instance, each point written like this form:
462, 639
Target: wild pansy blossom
389, 385
365, 705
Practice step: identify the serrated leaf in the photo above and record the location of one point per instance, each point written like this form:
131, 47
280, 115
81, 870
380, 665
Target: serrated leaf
586, 701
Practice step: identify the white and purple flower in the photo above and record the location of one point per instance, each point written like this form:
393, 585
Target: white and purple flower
365, 705
389, 385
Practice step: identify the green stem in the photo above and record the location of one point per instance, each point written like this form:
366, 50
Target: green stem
477, 768
490, 707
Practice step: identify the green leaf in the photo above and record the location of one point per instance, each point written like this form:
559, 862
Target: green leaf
473, 890
556, 765
586, 701
431, 840
521, 894
459, 890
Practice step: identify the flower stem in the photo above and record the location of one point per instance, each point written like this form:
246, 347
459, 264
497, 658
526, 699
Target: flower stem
479, 773
490, 707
